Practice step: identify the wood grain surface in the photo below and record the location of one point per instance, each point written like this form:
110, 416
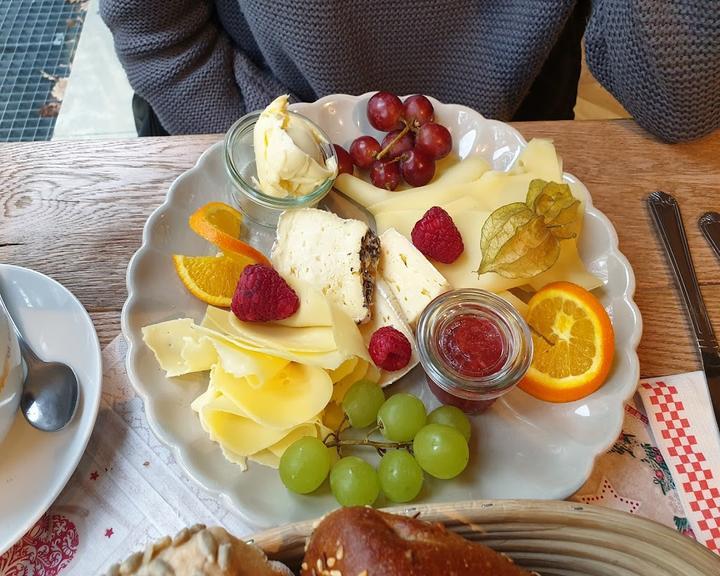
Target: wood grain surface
75, 210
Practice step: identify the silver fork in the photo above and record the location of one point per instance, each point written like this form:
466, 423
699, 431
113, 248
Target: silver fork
710, 227
665, 213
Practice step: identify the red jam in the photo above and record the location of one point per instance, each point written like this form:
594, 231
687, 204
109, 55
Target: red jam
465, 404
473, 346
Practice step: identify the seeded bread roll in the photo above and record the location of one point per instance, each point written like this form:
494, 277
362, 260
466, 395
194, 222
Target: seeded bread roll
367, 542
199, 551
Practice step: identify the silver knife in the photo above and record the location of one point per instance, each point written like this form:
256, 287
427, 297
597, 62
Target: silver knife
668, 223
710, 226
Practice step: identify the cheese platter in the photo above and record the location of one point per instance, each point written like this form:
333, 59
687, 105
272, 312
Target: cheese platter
232, 381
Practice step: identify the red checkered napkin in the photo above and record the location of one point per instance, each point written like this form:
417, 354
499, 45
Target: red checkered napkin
681, 418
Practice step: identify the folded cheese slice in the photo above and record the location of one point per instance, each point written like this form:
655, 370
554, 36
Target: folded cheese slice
178, 348
295, 395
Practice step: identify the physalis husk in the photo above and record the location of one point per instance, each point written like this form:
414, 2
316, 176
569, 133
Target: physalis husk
522, 240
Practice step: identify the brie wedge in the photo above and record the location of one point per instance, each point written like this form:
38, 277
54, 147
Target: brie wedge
413, 280
335, 255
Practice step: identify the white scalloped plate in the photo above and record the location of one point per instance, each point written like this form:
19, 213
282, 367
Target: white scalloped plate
521, 448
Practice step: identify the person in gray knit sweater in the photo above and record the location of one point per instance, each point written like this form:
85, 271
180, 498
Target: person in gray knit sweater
201, 64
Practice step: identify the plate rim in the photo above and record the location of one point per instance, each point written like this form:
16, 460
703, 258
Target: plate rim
94, 407
179, 451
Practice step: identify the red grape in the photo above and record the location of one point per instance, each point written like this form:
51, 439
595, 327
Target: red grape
345, 163
417, 168
363, 151
385, 111
434, 140
385, 174
404, 144
418, 110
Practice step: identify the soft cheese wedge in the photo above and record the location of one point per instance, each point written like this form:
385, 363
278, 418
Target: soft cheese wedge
411, 278
335, 255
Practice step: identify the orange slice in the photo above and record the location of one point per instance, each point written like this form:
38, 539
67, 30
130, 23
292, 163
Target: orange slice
211, 279
221, 225
574, 343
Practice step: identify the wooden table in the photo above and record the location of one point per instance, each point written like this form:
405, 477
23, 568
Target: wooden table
75, 210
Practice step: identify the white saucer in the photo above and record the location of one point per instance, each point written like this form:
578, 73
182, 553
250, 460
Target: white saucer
35, 466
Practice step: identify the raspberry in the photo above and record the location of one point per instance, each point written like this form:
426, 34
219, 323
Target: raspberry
389, 348
437, 237
262, 295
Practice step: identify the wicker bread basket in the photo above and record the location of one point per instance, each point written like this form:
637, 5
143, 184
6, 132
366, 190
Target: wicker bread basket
553, 538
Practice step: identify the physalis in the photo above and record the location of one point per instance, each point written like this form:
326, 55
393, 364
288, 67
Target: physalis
522, 240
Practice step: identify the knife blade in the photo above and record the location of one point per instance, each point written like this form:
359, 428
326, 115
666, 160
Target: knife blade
710, 227
665, 214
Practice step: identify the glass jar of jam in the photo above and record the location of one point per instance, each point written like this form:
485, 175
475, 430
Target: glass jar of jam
474, 347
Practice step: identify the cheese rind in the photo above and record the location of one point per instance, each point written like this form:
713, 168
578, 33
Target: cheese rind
335, 255
412, 279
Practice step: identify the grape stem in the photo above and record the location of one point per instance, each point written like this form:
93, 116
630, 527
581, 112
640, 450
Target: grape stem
385, 150
338, 443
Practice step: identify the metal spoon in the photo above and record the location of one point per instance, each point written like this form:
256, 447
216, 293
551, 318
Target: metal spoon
50, 391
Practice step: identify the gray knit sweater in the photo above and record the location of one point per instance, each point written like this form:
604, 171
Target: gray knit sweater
201, 64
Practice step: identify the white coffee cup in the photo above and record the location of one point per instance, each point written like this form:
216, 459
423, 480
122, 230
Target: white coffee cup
11, 376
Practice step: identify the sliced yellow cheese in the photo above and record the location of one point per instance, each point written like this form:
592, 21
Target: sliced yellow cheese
342, 337
518, 304
198, 353
344, 369
424, 198
326, 360
466, 170
540, 159
179, 349
347, 335
318, 430
342, 386
362, 192
304, 339
271, 456
451, 177
257, 367
568, 267
292, 397
238, 434
266, 458
404, 220
314, 306
333, 416
373, 373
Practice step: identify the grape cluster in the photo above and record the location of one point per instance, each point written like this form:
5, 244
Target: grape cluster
414, 443
409, 149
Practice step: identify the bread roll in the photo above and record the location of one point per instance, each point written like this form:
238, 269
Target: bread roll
199, 551
367, 542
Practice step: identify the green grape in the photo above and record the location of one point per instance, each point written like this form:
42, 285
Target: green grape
362, 402
401, 477
354, 482
401, 416
451, 416
441, 451
304, 465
